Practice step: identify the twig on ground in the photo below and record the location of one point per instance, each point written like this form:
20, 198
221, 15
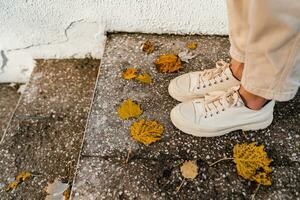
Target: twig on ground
220, 161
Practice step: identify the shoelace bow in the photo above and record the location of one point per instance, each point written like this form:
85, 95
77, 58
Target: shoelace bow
213, 76
219, 101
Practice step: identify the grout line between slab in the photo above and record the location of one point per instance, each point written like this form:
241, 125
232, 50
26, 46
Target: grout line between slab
14, 112
86, 125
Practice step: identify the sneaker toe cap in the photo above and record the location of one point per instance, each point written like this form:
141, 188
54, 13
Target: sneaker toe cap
184, 113
182, 83
180, 87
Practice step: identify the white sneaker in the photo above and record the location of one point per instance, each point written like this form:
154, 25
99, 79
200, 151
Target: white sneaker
196, 84
220, 114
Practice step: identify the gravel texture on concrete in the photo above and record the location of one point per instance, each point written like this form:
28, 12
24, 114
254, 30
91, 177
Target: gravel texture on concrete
9, 97
153, 171
46, 132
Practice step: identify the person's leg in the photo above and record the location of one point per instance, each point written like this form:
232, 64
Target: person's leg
272, 57
237, 68
238, 14
238, 28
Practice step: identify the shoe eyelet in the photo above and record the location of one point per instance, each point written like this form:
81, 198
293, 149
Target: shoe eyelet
198, 88
211, 115
205, 116
215, 82
227, 78
221, 81
204, 86
217, 112
223, 109
209, 84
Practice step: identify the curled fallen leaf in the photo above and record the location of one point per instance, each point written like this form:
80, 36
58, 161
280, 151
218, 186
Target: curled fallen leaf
129, 73
129, 109
146, 131
148, 47
144, 78
11, 186
67, 193
189, 169
57, 190
185, 56
192, 45
23, 176
168, 63
252, 163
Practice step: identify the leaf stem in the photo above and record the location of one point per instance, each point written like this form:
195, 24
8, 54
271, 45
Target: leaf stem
255, 192
245, 135
128, 155
181, 184
220, 161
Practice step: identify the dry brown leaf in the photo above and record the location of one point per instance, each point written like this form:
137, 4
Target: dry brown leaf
252, 162
148, 47
146, 131
23, 176
168, 63
144, 78
67, 193
129, 73
129, 109
192, 45
189, 169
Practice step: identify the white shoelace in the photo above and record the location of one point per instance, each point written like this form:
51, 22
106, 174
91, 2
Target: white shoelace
219, 101
213, 76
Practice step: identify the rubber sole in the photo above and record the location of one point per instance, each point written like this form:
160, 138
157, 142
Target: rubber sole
206, 133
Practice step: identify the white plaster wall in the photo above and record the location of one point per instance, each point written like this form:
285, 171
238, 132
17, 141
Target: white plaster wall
76, 28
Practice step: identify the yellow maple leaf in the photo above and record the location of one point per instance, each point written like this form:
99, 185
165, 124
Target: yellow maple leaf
189, 169
144, 78
129, 109
146, 131
168, 63
252, 162
23, 176
148, 47
129, 73
262, 178
192, 45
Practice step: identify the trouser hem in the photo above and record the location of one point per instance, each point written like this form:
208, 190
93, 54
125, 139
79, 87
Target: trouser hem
237, 55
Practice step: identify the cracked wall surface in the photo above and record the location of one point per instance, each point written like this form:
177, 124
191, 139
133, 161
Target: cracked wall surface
81, 39
76, 29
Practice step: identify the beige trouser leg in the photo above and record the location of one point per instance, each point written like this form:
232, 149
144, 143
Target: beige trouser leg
265, 35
